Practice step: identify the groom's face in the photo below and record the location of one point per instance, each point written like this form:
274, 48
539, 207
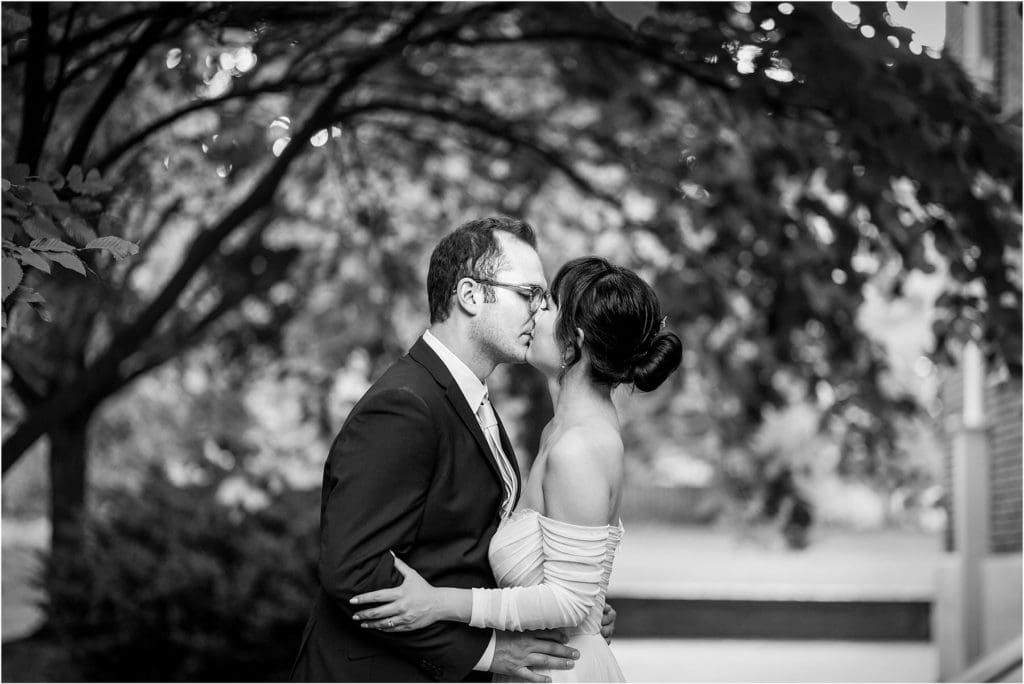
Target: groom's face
506, 324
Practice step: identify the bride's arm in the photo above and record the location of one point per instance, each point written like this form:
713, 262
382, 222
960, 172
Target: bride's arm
577, 492
414, 604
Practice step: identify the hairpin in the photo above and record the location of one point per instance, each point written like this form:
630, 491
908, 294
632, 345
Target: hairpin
664, 320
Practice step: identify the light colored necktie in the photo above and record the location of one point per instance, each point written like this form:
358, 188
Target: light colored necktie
489, 422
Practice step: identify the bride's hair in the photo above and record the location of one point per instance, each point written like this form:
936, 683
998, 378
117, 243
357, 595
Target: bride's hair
621, 321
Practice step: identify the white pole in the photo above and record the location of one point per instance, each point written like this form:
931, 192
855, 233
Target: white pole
970, 502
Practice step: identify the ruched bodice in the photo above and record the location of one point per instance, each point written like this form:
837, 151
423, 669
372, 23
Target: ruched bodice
551, 574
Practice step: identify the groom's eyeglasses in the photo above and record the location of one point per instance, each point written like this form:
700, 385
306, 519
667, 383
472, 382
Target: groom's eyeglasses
537, 295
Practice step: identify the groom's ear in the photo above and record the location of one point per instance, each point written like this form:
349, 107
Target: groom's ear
468, 297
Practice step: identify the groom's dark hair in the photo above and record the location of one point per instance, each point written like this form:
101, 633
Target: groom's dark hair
471, 250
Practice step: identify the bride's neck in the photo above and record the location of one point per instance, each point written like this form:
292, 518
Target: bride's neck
577, 390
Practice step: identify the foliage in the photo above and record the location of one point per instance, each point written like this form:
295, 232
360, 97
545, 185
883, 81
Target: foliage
53, 221
178, 586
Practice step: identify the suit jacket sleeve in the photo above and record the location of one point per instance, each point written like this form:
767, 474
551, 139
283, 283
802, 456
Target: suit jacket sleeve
379, 474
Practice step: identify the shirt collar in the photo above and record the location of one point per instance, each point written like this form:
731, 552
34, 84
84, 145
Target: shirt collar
470, 385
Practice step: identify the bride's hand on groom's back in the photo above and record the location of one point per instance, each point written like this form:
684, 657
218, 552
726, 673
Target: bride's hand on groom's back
518, 654
414, 604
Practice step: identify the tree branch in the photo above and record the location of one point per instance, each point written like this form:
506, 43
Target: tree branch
493, 126
647, 46
33, 102
86, 63
111, 157
113, 88
55, 92
69, 46
101, 378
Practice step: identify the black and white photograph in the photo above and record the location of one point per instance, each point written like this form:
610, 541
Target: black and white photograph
511, 341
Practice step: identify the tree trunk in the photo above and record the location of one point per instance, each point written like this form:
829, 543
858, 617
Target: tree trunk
68, 455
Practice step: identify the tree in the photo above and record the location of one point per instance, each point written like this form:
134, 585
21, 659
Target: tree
757, 162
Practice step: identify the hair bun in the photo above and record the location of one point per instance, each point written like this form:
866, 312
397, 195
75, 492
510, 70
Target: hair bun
661, 359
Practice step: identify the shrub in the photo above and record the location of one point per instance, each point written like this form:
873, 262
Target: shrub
176, 586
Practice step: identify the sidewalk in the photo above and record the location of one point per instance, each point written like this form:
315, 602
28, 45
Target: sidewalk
698, 660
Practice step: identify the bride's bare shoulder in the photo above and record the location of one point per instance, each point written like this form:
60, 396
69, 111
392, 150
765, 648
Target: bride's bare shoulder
584, 466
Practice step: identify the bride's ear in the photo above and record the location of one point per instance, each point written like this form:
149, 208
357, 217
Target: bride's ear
579, 337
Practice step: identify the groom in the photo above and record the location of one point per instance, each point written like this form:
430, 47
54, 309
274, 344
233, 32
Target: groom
420, 469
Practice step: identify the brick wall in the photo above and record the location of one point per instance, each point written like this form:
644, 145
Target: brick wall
1008, 59
1003, 406
988, 45
1003, 412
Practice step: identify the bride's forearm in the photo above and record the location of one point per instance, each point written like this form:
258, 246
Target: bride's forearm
456, 605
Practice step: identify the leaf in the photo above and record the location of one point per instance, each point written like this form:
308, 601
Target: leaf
42, 193
40, 227
5, 184
77, 228
59, 212
20, 195
55, 180
43, 312
84, 205
68, 261
26, 294
631, 13
94, 184
11, 276
15, 22
75, 178
16, 173
30, 258
50, 245
10, 228
119, 248
14, 205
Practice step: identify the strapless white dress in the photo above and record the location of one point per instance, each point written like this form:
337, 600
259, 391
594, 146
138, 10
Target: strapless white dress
553, 574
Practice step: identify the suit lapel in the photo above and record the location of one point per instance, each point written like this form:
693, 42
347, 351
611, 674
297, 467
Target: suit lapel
425, 356
458, 400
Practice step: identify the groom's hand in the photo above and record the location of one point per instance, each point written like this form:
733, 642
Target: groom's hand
515, 653
608, 623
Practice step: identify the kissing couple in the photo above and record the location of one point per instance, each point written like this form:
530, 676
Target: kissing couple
438, 560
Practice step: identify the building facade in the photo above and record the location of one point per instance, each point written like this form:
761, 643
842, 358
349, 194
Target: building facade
977, 612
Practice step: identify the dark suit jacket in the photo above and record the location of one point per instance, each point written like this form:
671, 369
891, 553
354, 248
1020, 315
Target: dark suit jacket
410, 472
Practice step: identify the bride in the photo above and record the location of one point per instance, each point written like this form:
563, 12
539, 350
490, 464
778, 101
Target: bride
553, 556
